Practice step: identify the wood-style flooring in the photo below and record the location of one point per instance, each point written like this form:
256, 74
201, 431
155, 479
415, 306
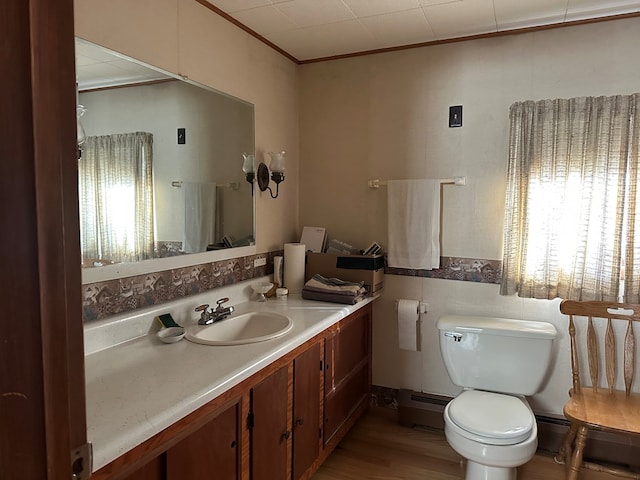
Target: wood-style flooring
379, 448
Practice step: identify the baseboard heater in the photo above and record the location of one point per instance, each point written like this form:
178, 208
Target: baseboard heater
425, 410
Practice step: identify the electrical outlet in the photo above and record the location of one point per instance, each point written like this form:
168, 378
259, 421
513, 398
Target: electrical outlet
260, 262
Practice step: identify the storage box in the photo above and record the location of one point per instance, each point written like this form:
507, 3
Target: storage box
352, 268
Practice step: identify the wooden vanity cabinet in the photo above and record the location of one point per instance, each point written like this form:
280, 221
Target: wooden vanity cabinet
347, 376
152, 470
307, 369
268, 423
209, 452
284, 420
279, 424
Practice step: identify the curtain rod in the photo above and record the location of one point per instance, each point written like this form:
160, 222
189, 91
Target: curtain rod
231, 185
458, 181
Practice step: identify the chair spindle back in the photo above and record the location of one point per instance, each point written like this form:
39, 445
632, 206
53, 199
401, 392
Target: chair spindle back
611, 312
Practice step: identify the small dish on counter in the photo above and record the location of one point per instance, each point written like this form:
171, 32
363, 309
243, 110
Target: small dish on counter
171, 334
259, 290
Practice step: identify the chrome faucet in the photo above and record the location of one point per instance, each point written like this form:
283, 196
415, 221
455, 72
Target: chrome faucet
209, 316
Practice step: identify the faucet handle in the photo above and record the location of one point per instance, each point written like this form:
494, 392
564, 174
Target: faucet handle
221, 301
205, 316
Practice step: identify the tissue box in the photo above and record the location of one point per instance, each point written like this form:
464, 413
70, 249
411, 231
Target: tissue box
352, 268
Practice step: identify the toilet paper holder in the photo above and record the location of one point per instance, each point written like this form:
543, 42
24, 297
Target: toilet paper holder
423, 307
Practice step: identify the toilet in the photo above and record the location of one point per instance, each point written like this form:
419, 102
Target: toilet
497, 362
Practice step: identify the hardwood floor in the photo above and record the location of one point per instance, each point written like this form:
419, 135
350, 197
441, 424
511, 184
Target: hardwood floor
379, 448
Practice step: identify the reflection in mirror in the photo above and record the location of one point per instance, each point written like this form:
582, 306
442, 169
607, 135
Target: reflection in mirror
161, 168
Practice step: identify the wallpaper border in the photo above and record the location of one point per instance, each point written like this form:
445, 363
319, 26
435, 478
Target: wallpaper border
103, 299
111, 297
457, 268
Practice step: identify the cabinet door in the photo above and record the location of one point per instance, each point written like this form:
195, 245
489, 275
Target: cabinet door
347, 370
154, 470
342, 402
270, 434
210, 452
306, 410
347, 349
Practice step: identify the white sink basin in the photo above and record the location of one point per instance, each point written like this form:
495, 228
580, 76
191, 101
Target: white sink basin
247, 328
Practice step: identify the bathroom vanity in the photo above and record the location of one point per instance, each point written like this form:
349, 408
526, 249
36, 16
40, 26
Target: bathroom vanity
269, 410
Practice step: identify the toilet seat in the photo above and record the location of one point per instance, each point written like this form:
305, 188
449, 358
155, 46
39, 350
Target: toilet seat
496, 418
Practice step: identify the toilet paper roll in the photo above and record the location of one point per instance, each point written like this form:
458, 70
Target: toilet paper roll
407, 324
294, 256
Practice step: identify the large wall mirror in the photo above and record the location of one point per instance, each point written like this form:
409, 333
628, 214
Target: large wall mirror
160, 174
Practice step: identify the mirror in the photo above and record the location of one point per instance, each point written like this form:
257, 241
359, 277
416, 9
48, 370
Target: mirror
202, 205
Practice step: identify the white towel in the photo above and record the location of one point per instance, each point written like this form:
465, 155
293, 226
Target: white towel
414, 224
199, 216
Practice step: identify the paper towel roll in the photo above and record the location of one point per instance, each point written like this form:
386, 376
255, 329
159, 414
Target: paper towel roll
294, 256
407, 324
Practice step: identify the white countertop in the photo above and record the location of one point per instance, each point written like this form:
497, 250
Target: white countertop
140, 387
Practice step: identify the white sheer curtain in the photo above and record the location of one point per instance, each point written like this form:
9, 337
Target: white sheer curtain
116, 198
571, 209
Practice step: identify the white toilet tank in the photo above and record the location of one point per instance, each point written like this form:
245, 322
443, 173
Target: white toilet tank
496, 354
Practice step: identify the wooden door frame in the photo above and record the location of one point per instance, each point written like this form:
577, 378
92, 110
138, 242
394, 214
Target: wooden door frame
42, 401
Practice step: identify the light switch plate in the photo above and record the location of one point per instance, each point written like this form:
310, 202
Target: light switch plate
455, 116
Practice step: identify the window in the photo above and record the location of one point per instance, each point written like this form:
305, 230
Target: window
571, 209
116, 198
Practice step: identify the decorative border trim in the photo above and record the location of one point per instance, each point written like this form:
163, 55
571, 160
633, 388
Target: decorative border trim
457, 268
103, 299
111, 297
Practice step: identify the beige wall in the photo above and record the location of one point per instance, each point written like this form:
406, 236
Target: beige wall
386, 116
186, 38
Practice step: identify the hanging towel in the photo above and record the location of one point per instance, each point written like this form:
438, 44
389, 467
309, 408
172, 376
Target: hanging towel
199, 216
414, 224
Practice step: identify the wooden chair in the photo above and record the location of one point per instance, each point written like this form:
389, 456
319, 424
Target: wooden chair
591, 406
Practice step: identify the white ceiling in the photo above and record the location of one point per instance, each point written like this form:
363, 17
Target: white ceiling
311, 29
97, 67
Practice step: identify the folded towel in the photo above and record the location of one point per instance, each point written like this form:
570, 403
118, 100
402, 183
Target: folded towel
360, 291
331, 297
322, 284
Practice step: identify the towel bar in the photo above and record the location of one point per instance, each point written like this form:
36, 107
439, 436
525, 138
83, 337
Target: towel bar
231, 185
458, 181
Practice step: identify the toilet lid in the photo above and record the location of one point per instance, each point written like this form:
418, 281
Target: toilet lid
502, 419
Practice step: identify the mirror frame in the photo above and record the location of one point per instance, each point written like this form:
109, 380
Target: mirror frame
123, 270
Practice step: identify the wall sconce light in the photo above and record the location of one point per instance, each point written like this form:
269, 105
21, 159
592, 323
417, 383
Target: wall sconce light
81, 136
80, 133
277, 165
248, 168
